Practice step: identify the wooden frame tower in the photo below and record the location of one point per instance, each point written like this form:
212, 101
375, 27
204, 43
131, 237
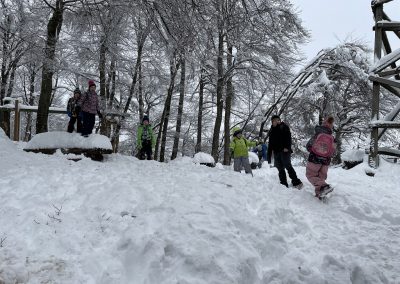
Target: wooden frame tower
384, 74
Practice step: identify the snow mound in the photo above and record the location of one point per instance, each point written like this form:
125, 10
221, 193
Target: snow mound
58, 139
203, 158
353, 156
253, 158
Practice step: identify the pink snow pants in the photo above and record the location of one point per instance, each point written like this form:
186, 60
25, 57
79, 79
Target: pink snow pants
316, 175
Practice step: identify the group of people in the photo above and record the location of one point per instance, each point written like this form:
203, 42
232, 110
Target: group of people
321, 148
82, 110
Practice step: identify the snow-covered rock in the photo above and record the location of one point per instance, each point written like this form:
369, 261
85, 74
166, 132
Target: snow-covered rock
203, 158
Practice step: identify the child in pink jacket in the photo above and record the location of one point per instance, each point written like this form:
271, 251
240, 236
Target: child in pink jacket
321, 148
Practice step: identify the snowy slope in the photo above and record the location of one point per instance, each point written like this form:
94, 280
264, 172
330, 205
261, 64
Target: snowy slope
131, 221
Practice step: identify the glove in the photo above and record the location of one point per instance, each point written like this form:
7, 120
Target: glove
74, 114
69, 114
100, 115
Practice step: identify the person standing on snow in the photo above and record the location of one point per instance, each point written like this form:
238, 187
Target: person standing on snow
145, 139
280, 144
321, 147
239, 150
89, 103
74, 112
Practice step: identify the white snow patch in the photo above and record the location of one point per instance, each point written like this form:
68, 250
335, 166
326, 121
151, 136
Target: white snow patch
253, 158
353, 155
59, 139
203, 158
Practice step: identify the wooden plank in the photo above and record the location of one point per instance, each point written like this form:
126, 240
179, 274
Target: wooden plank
391, 89
388, 26
388, 124
17, 121
390, 82
389, 73
389, 152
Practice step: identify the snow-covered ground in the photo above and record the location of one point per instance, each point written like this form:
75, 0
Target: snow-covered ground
130, 221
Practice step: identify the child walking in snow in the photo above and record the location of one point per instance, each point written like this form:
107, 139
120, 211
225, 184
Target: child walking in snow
239, 149
321, 147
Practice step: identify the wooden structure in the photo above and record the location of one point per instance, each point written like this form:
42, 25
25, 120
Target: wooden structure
384, 74
17, 108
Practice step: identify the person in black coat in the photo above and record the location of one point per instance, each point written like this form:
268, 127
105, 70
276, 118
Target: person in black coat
280, 144
74, 112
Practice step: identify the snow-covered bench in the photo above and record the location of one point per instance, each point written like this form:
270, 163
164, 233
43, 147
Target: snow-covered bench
92, 147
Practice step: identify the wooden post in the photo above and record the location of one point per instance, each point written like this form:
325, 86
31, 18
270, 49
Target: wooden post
373, 159
17, 120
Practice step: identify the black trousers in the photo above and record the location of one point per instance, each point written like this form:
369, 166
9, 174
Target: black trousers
282, 161
88, 122
145, 151
71, 124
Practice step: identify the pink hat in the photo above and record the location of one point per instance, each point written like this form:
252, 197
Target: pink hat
91, 83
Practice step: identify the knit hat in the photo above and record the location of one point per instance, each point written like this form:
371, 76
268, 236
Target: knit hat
77, 91
91, 83
275, 116
145, 118
236, 131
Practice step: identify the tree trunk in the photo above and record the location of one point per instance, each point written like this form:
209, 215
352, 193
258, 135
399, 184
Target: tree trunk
200, 113
174, 66
102, 77
5, 115
337, 157
220, 103
28, 128
228, 106
180, 110
53, 30
140, 95
158, 141
12, 79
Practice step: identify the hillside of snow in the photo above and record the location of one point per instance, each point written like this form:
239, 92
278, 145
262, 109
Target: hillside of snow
130, 221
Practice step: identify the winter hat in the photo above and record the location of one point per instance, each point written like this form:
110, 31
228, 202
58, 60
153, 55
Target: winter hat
145, 118
77, 91
91, 83
275, 116
236, 131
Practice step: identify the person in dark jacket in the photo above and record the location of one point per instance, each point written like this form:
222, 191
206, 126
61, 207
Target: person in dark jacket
89, 103
145, 139
74, 112
280, 145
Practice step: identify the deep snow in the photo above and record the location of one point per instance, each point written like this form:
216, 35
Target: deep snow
130, 221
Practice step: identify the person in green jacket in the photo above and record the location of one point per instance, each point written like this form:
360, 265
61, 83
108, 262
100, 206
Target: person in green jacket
239, 149
145, 139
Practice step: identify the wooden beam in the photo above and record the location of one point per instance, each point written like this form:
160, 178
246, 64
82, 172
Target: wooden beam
17, 121
390, 82
384, 124
391, 89
388, 26
389, 73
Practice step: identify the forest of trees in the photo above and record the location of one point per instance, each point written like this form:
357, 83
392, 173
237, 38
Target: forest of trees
198, 68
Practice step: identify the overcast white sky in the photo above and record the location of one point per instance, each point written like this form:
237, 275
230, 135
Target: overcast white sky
331, 22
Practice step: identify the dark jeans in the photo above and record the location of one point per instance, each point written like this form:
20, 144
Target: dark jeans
71, 124
88, 122
282, 162
146, 151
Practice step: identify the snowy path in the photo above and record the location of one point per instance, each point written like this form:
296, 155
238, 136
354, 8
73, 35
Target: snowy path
130, 221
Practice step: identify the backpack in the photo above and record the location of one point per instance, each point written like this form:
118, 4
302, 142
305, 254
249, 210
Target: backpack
323, 145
